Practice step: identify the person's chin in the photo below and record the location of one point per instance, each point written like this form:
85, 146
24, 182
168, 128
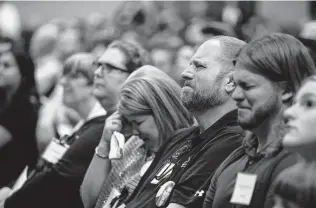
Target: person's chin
291, 141
98, 93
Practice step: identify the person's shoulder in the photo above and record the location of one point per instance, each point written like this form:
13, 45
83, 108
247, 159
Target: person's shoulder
97, 120
284, 160
185, 133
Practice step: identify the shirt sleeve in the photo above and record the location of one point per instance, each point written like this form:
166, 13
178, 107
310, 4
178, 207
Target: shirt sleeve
192, 182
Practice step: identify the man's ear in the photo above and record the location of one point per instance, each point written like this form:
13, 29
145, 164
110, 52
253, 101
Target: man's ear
229, 83
287, 96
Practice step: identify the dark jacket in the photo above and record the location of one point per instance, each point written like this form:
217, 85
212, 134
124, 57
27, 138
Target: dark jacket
59, 185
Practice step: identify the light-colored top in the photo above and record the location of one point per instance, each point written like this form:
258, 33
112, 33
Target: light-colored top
127, 171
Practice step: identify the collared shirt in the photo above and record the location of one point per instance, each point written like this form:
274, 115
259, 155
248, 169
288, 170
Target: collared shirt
195, 157
96, 111
266, 166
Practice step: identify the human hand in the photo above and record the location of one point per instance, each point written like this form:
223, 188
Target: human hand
113, 123
4, 194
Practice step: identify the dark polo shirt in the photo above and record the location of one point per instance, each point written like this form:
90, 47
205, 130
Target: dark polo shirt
265, 165
195, 157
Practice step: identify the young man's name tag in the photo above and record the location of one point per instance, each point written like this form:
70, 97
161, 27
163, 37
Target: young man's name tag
244, 187
54, 152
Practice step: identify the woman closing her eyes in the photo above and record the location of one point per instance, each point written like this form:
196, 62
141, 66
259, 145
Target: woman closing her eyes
150, 109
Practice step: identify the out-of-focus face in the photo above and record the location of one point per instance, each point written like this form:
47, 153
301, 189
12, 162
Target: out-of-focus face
184, 56
76, 89
109, 76
69, 43
146, 128
203, 78
162, 59
301, 119
10, 76
257, 98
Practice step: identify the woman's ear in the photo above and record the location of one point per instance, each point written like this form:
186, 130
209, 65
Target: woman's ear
229, 84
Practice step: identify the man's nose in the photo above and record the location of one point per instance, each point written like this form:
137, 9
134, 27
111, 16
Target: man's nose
187, 74
98, 72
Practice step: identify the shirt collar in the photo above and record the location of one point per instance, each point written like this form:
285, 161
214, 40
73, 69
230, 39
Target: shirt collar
96, 111
229, 119
250, 144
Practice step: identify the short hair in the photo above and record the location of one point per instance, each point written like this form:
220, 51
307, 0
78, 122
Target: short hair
278, 57
80, 62
151, 91
297, 184
230, 46
136, 56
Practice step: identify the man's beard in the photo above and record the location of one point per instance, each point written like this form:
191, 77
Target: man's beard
201, 100
260, 115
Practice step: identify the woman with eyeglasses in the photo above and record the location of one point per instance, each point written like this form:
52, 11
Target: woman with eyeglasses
296, 186
18, 113
149, 108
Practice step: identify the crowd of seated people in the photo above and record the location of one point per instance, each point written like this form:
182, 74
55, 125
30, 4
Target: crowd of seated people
173, 112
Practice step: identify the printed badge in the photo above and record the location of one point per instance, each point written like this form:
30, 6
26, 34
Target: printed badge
244, 187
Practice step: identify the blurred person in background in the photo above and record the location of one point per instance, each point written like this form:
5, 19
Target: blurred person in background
18, 113
53, 116
43, 49
141, 105
10, 21
163, 59
71, 41
268, 72
56, 183
182, 61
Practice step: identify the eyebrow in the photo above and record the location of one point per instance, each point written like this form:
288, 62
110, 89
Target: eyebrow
307, 95
198, 62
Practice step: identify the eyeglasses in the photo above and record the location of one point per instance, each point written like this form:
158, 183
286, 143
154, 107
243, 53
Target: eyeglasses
108, 67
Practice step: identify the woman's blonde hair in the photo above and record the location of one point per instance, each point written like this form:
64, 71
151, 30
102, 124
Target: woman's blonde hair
149, 90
